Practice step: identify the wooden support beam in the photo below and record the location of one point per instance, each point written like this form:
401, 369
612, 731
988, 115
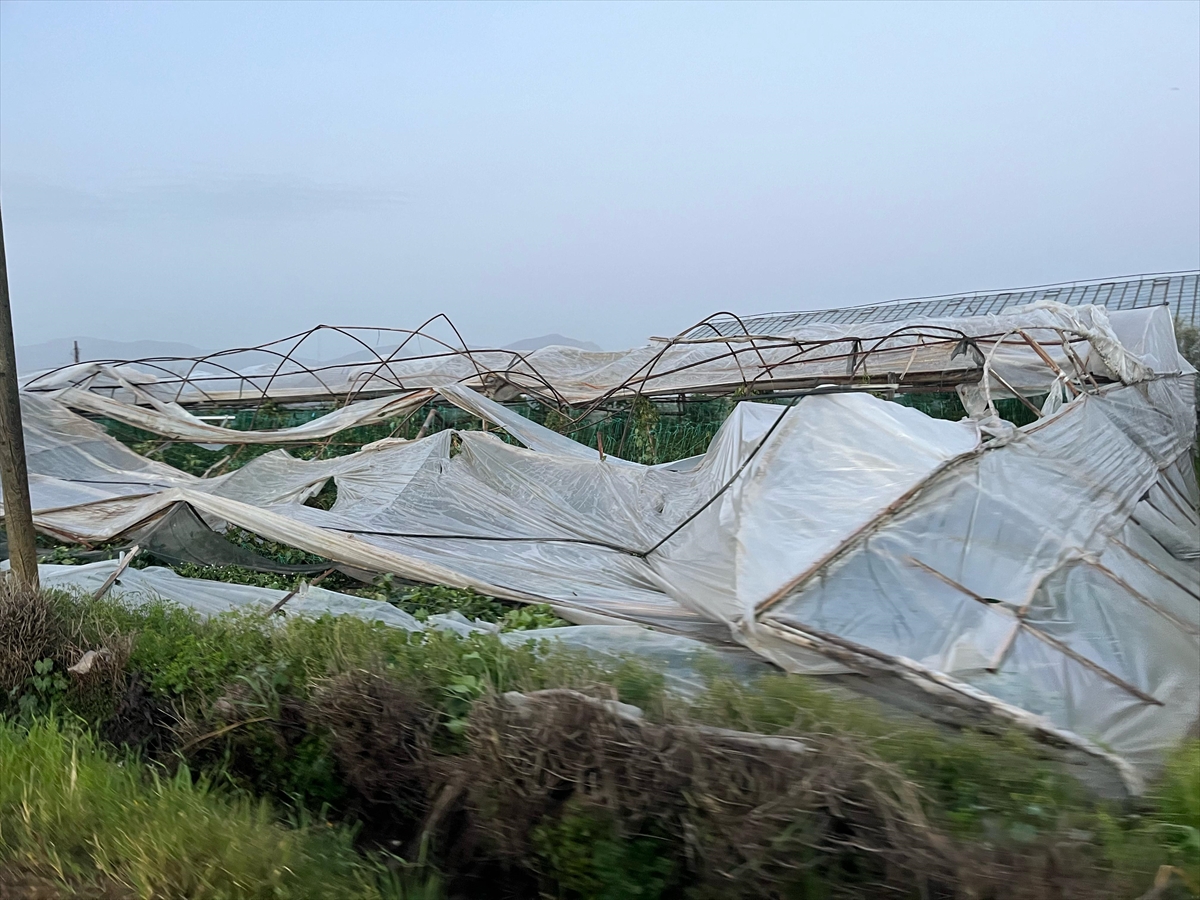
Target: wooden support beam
1054, 642
1008, 387
14, 477
294, 591
425, 425
1046, 358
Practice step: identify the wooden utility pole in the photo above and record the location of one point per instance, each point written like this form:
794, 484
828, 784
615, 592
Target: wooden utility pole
14, 479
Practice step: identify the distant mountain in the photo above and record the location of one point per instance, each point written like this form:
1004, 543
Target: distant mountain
60, 352
550, 340
56, 353
414, 349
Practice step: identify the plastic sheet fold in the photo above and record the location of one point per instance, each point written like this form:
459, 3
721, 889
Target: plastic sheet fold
1047, 572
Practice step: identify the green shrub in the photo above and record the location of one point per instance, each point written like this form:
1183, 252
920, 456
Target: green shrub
585, 858
976, 781
1175, 810
1188, 338
1164, 829
423, 601
182, 655
191, 660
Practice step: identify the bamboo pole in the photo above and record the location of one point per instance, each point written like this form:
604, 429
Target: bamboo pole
1046, 358
14, 477
1054, 642
121, 567
294, 591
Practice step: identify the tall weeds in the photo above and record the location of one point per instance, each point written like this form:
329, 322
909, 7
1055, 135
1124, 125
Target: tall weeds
72, 817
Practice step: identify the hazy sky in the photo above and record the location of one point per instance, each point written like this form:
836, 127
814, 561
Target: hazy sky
223, 173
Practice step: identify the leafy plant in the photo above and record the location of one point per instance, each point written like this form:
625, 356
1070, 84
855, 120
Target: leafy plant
530, 618
62, 555
280, 553
586, 859
43, 689
1164, 830
423, 601
1188, 338
643, 419
241, 575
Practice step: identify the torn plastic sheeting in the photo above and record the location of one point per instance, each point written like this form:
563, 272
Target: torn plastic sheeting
688, 665
813, 353
182, 537
963, 563
483, 448
437, 564
538, 437
528, 432
507, 569
211, 598
465, 494
939, 582
684, 663
173, 421
60, 444
375, 476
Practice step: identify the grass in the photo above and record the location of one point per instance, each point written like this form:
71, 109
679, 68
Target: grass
586, 858
187, 659
238, 686
1168, 823
73, 816
976, 781
985, 787
243, 755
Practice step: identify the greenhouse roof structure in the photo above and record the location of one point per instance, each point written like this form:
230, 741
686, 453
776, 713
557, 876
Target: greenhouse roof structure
1178, 291
1044, 574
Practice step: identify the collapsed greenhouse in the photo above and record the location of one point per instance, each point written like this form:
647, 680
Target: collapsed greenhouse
1044, 573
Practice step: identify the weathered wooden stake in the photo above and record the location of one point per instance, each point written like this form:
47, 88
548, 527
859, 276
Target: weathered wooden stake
14, 479
126, 559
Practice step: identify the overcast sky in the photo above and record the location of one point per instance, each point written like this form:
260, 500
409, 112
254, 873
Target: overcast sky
227, 173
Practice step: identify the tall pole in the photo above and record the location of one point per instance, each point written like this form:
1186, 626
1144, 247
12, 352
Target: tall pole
14, 479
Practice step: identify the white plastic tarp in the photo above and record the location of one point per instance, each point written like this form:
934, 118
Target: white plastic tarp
1044, 570
807, 354
685, 664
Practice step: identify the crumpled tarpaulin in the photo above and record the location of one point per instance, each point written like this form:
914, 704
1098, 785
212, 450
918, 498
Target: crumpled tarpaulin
682, 660
912, 353
1046, 574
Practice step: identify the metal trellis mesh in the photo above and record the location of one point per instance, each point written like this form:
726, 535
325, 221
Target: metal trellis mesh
1178, 290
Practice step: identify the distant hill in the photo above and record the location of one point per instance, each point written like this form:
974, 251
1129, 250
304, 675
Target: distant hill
52, 354
550, 340
526, 346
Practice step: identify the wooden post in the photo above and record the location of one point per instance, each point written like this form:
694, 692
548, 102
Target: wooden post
14, 479
425, 425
